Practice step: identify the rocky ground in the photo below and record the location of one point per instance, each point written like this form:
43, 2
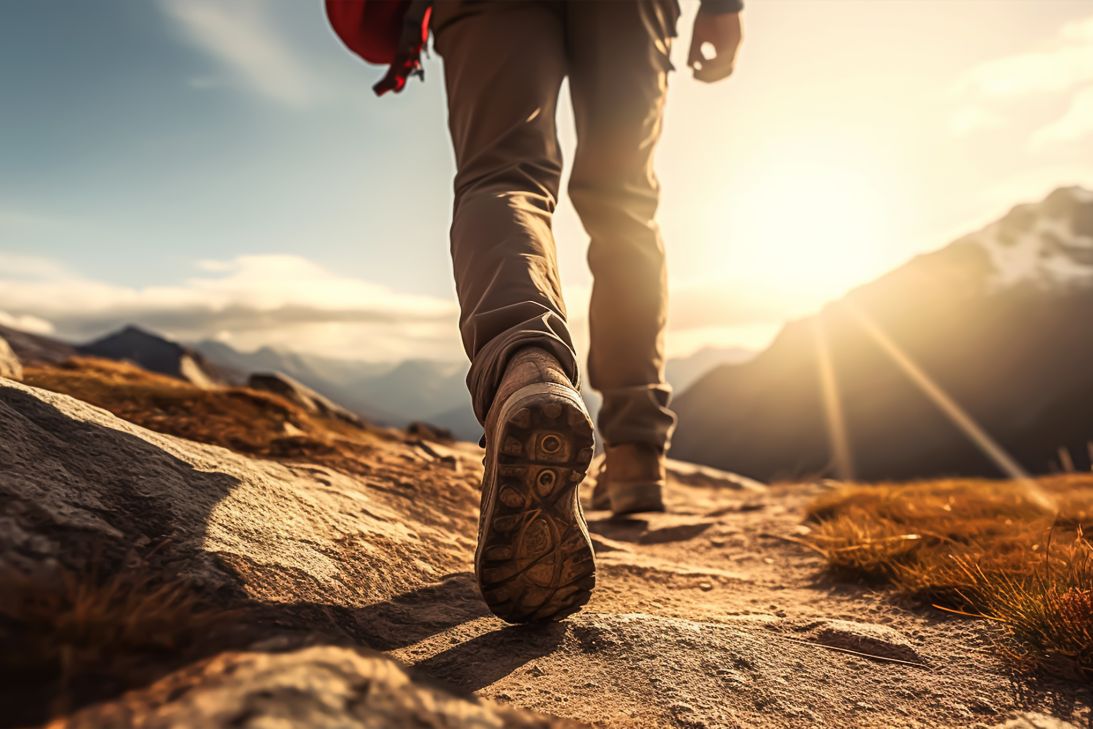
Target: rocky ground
302, 591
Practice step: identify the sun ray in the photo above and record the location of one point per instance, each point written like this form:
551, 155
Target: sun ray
837, 434
949, 407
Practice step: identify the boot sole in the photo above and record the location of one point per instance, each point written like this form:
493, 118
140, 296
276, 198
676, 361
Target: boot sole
534, 560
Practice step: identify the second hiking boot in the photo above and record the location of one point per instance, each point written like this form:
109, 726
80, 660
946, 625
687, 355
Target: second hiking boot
534, 559
631, 479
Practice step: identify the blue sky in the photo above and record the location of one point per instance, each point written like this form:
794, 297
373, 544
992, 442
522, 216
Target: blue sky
153, 151
214, 168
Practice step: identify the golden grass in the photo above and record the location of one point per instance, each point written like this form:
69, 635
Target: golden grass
1017, 554
238, 418
69, 639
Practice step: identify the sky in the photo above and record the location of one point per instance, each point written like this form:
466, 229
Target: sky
221, 169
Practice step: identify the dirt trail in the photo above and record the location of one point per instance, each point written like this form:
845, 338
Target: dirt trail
704, 617
709, 617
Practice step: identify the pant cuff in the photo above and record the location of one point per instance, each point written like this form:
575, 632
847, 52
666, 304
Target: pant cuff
547, 332
637, 415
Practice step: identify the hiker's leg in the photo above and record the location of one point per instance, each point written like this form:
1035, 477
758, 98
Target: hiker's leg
618, 78
503, 64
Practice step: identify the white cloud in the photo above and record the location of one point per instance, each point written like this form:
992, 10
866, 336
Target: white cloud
1075, 124
293, 303
1053, 71
973, 118
1078, 30
240, 35
1064, 71
26, 323
280, 300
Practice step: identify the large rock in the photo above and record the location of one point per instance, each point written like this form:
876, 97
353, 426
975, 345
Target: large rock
287, 550
10, 366
322, 687
80, 487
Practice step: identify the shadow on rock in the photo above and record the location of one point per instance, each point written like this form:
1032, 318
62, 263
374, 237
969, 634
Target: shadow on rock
481, 661
103, 580
658, 529
121, 559
422, 613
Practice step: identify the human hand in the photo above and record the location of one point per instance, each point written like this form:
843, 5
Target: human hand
722, 31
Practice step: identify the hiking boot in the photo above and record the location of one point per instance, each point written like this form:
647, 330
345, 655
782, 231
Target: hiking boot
600, 500
534, 560
631, 479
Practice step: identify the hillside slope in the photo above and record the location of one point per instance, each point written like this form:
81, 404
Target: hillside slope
284, 576
996, 322
36, 348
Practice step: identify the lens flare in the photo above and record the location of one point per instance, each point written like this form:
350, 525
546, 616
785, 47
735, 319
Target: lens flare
967, 425
842, 459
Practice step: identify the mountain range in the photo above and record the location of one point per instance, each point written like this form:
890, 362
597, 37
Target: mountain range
388, 393
975, 359
433, 391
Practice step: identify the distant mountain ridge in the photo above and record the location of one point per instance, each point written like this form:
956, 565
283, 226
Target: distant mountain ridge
997, 321
157, 354
36, 347
279, 360
682, 372
386, 393
433, 391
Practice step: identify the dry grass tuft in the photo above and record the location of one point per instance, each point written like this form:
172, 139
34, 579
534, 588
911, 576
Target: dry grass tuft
1015, 553
72, 638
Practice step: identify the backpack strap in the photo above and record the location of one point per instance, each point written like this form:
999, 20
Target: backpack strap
407, 63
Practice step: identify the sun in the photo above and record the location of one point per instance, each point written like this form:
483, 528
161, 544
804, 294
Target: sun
818, 228
815, 221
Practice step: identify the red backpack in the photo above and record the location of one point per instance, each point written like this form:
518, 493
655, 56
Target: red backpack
389, 32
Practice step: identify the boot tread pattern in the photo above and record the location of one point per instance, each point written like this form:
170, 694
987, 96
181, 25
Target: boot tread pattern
535, 560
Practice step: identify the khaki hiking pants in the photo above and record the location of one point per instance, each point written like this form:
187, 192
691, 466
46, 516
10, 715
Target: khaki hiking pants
504, 62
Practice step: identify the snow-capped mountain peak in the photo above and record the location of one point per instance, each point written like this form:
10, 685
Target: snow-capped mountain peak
1047, 244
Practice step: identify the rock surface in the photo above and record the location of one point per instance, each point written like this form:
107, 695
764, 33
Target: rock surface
10, 366
322, 687
704, 617
863, 638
